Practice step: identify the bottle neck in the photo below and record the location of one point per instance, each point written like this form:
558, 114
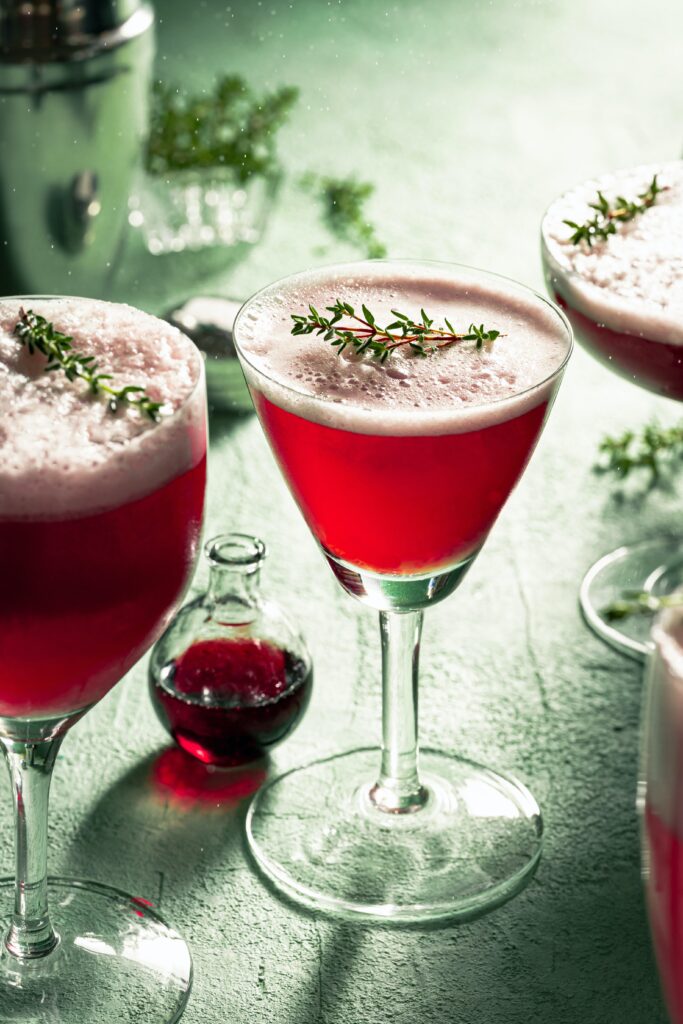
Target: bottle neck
234, 592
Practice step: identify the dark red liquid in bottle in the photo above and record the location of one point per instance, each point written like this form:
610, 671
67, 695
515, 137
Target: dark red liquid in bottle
228, 701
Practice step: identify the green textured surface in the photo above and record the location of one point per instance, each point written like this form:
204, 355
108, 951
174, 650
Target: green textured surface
470, 117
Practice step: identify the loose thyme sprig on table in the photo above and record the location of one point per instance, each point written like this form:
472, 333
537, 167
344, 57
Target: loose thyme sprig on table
365, 335
640, 602
39, 335
606, 218
655, 449
343, 202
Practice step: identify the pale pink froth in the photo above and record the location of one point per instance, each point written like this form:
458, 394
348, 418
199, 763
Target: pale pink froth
631, 281
459, 388
62, 452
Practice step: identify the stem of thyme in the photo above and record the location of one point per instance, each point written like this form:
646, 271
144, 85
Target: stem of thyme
654, 449
640, 602
39, 335
365, 335
606, 218
228, 127
343, 202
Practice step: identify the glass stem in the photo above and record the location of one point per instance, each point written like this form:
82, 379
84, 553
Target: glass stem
398, 788
31, 934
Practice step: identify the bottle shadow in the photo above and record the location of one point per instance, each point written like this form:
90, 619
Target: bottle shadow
169, 813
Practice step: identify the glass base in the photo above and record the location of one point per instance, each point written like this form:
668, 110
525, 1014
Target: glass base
318, 837
117, 961
653, 566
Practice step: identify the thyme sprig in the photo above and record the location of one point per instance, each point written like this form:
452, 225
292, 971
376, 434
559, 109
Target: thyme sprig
604, 222
656, 449
365, 334
229, 127
640, 602
343, 201
39, 335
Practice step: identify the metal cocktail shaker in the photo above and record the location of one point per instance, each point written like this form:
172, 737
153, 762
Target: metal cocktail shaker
74, 83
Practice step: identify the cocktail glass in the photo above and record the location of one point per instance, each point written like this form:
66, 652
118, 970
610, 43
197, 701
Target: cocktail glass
618, 337
82, 598
365, 833
661, 803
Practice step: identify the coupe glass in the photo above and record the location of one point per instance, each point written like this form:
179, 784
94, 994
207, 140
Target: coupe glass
661, 803
81, 600
366, 833
619, 340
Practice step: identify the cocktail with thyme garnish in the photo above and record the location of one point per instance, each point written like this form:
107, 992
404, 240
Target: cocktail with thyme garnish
102, 428
613, 257
402, 401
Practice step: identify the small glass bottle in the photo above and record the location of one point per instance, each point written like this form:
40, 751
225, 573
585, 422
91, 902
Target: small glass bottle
231, 677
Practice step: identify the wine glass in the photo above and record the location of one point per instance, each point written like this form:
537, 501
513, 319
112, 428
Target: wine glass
636, 331
660, 803
400, 496
96, 552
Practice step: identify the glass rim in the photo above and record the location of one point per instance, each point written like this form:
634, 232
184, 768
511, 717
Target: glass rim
407, 262
197, 355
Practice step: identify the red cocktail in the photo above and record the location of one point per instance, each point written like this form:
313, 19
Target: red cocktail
342, 480
623, 291
71, 578
400, 460
622, 288
100, 516
662, 821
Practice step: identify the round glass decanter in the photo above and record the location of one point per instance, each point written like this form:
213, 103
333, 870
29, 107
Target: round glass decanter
231, 677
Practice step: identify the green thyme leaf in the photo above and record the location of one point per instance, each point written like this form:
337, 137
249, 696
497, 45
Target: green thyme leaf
230, 127
365, 335
606, 218
39, 335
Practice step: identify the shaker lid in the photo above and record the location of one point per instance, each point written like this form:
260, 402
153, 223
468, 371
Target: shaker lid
39, 31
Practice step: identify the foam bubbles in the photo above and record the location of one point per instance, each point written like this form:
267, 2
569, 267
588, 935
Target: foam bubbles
453, 390
61, 451
633, 280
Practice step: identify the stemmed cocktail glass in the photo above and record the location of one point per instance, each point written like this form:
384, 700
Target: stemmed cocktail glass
620, 293
400, 494
100, 517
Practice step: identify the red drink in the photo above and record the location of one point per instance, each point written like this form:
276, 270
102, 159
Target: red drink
100, 514
662, 826
665, 907
624, 294
228, 702
88, 595
401, 468
342, 481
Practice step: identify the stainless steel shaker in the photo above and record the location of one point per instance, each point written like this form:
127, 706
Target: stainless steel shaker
74, 85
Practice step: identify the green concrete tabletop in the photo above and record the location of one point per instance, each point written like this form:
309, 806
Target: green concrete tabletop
469, 117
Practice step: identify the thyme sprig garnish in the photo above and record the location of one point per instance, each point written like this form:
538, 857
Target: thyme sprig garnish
656, 449
365, 334
343, 201
604, 222
39, 335
640, 602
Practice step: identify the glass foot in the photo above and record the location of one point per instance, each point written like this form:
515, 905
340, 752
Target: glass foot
316, 834
117, 961
653, 566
